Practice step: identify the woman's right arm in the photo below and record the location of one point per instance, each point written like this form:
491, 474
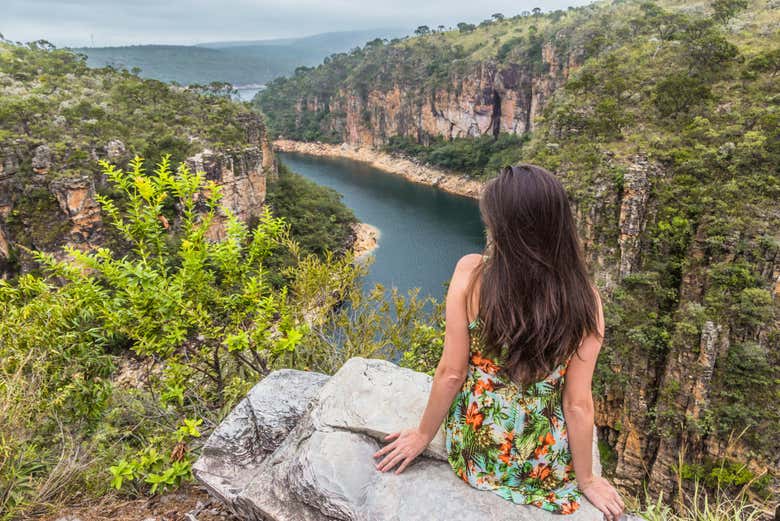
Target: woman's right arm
578, 411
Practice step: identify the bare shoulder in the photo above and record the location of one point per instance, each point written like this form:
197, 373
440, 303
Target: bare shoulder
464, 268
468, 262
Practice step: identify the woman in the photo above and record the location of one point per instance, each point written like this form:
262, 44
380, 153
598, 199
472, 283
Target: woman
524, 326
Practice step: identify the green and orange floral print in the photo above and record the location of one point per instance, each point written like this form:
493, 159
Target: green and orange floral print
509, 440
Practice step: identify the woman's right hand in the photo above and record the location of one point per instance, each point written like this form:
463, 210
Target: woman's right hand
604, 497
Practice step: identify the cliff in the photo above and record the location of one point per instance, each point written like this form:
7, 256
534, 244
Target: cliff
393, 97
56, 126
45, 211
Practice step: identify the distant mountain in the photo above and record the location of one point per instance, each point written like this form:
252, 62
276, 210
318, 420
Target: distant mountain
239, 62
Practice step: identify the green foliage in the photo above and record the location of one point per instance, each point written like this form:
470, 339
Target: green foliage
677, 93
746, 391
724, 474
149, 467
205, 320
86, 108
725, 10
480, 157
318, 219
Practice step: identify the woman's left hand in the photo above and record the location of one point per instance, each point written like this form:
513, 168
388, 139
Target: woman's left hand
407, 445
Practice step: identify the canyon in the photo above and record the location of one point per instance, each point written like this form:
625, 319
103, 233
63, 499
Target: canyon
670, 376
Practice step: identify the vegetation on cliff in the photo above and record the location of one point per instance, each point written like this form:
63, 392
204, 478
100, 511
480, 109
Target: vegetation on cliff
318, 219
665, 133
116, 358
49, 96
112, 367
58, 116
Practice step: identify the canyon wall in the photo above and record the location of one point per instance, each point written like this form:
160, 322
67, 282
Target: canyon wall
486, 99
43, 208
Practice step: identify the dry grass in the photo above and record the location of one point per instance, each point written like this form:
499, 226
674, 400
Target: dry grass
702, 505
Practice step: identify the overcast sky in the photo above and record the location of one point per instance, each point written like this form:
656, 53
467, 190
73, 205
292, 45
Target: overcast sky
123, 22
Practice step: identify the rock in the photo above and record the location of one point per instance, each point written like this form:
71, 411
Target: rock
242, 181
41, 161
76, 197
301, 445
366, 239
5, 248
255, 427
115, 149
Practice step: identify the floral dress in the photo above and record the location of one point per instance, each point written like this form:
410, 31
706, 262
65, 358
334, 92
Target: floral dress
509, 440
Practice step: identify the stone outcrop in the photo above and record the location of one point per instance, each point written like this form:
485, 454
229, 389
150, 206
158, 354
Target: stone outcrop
300, 446
241, 176
637, 183
489, 98
44, 208
366, 239
76, 198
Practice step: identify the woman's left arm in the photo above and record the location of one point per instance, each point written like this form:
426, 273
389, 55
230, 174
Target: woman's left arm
447, 380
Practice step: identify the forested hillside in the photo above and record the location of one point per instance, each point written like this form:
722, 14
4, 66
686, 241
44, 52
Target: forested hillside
662, 121
238, 63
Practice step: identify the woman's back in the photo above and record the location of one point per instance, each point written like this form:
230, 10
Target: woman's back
511, 438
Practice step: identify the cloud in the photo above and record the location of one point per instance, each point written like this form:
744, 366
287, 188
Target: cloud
122, 22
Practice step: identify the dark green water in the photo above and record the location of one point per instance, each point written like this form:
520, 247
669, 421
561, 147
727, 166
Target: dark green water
424, 230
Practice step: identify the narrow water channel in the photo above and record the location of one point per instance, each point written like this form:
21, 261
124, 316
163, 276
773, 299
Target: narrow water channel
424, 230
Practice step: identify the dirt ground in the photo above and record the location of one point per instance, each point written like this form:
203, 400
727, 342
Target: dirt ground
189, 503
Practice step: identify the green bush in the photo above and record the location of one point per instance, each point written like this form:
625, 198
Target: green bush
202, 321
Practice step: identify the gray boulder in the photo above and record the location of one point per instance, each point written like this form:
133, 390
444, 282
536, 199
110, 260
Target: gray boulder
300, 447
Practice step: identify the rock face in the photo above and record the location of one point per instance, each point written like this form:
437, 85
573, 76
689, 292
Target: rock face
486, 99
243, 181
300, 446
44, 208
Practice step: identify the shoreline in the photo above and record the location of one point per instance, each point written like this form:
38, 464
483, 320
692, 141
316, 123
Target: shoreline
366, 239
448, 181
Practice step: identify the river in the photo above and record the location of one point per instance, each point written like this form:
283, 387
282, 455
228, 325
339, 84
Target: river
424, 230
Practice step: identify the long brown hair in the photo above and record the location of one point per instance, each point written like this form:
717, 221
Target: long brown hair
536, 299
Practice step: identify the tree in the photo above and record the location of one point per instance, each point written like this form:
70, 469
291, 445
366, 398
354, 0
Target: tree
707, 48
466, 28
422, 30
536, 11
497, 17
678, 93
725, 10
375, 43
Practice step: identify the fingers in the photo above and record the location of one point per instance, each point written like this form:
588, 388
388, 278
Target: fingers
403, 465
613, 509
392, 435
620, 501
386, 448
391, 460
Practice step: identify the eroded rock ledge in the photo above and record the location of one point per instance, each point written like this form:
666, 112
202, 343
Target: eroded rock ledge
300, 447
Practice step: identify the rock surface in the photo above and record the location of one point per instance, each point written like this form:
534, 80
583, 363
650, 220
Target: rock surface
300, 447
47, 203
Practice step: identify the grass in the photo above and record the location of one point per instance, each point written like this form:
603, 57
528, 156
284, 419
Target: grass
700, 504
